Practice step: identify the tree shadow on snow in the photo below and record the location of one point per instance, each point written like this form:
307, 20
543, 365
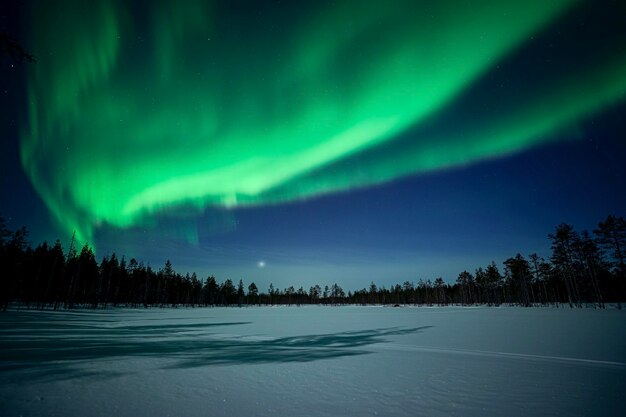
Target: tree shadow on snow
70, 352
287, 349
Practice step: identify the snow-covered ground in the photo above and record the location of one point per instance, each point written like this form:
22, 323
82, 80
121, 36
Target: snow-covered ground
314, 361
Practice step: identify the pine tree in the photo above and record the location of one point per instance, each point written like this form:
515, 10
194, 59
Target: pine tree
440, 294
611, 235
518, 271
253, 292
589, 261
211, 289
563, 259
228, 292
541, 271
240, 293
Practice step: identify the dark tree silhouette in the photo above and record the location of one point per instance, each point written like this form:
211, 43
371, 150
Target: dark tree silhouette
211, 289
465, 281
240, 293
590, 264
227, 292
563, 241
494, 284
541, 271
517, 270
253, 293
611, 236
583, 270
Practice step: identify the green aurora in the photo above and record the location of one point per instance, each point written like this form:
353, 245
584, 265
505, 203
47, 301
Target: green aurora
134, 110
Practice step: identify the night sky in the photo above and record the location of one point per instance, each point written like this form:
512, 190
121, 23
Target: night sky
314, 142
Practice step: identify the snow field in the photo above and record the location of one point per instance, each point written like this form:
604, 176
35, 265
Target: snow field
313, 361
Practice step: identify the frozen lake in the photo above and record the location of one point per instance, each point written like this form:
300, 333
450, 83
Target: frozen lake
314, 361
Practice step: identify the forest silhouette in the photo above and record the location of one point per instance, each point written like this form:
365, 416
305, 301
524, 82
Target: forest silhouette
583, 269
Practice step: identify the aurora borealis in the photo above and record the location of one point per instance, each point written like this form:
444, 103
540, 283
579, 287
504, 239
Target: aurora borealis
137, 110
205, 105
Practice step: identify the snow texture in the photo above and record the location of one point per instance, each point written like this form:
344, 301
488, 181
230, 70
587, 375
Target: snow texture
314, 361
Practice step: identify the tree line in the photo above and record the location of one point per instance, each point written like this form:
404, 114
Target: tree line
584, 268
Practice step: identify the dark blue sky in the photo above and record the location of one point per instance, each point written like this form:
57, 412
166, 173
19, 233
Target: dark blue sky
420, 226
